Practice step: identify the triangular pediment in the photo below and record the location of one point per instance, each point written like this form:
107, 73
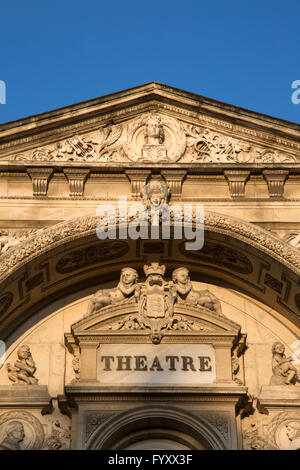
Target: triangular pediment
113, 128
121, 320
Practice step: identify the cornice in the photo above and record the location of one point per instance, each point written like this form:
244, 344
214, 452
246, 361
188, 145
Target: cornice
48, 127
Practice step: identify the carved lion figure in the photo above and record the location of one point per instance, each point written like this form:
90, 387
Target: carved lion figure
203, 298
126, 288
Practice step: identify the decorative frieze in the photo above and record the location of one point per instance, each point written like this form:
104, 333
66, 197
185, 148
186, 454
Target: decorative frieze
236, 180
40, 178
76, 178
275, 180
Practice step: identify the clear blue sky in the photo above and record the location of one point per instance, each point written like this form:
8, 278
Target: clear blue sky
55, 53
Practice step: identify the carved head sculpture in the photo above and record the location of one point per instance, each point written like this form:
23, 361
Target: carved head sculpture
293, 430
15, 431
156, 192
278, 348
181, 278
24, 352
154, 131
128, 276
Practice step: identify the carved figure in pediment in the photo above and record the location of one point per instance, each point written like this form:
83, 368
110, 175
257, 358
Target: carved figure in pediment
284, 372
186, 292
154, 135
126, 288
24, 369
154, 131
14, 435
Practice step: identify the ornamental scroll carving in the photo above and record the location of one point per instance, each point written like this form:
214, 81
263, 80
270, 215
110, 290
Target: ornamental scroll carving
156, 138
155, 299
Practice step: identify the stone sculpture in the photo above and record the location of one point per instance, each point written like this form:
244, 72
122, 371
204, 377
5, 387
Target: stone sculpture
293, 434
24, 368
14, 435
59, 438
155, 299
154, 149
186, 292
7, 242
284, 372
155, 194
293, 239
126, 288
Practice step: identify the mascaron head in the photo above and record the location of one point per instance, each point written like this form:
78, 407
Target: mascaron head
156, 192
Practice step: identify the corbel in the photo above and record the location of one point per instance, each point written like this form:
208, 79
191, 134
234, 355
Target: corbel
76, 178
40, 178
236, 180
275, 180
174, 179
137, 179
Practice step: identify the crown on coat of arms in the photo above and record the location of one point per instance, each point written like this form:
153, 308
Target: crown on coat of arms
154, 268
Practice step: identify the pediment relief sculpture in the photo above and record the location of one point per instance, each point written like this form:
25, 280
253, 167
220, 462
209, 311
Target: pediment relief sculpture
155, 306
155, 138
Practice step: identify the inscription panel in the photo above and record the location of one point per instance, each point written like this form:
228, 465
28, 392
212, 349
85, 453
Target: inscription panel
155, 365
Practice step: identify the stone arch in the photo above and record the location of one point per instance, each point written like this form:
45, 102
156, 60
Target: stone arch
67, 256
171, 422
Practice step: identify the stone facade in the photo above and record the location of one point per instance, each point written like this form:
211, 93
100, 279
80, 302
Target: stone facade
126, 343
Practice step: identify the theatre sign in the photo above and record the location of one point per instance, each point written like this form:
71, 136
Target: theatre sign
161, 364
